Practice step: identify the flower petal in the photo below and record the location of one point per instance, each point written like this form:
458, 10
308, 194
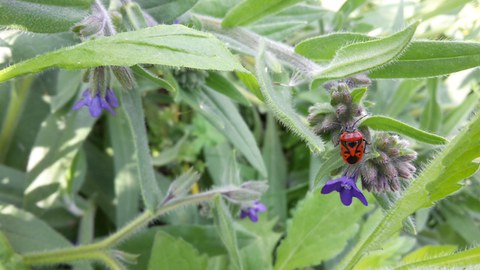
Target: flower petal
346, 196
260, 207
335, 184
359, 195
243, 214
80, 104
95, 107
104, 104
253, 215
111, 98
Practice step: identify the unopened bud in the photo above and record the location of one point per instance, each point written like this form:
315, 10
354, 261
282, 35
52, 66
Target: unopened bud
125, 76
98, 80
258, 186
90, 26
242, 195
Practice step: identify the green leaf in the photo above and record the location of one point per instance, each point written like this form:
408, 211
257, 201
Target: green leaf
249, 11
275, 197
27, 233
8, 258
459, 114
431, 58
324, 48
169, 155
384, 123
73, 78
47, 167
278, 100
223, 115
135, 145
12, 185
225, 86
462, 259
166, 11
48, 16
320, 229
224, 224
439, 179
172, 45
358, 94
259, 253
431, 117
402, 96
206, 237
156, 79
174, 253
419, 60
429, 252
367, 55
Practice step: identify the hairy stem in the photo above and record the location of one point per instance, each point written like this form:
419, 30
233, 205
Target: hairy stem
100, 250
250, 41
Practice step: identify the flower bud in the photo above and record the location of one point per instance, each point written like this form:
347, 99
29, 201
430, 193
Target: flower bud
242, 195
124, 76
258, 186
90, 26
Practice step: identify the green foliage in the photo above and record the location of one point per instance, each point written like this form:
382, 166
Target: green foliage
363, 56
384, 123
169, 253
48, 16
222, 104
249, 11
320, 229
172, 45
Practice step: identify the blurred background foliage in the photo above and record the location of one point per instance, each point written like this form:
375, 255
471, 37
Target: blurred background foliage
61, 181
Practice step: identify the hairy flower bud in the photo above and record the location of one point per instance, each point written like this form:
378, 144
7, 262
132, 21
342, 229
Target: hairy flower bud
390, 162
90, 26
124, 76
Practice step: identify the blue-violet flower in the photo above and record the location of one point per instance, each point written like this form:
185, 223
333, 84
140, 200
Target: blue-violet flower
252, 211
347, 189
96, 104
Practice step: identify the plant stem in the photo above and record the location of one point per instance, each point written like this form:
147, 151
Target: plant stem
19, 93
245, 38
100, 250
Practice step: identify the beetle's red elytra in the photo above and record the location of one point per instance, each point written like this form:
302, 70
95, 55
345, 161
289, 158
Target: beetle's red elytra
352, 146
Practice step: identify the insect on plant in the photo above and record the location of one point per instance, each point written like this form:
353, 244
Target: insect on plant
352, 144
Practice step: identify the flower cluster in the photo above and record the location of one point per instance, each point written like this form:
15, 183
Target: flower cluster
190, 79
97, 103
387, 160
327, 120
390, 163
251, 211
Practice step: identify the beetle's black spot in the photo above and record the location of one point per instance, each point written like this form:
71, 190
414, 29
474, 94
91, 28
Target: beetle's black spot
352, 159
352, 144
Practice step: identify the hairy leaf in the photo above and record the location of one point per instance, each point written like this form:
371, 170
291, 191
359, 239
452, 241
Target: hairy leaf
174, 253
320, 229
172, 45
384, 123
367, 55
47, 16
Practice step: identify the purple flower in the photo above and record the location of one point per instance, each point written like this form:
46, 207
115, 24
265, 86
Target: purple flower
252, 211
96, 104
347, 189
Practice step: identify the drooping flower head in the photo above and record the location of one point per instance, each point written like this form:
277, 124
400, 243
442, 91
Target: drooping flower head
252, 211
347, 188
96, 103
